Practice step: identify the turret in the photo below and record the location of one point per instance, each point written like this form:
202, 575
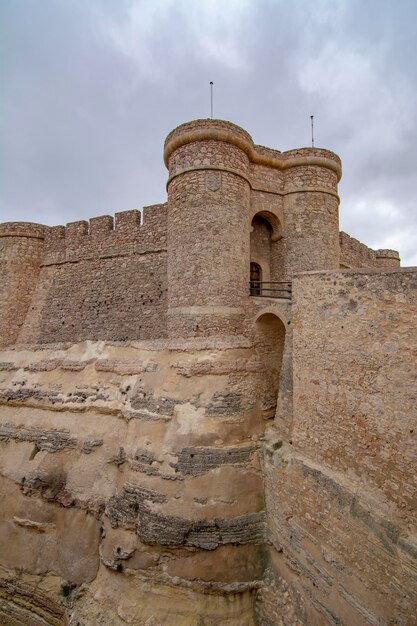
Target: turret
388, 258
21, 253
208, 231
311, 209
215, 173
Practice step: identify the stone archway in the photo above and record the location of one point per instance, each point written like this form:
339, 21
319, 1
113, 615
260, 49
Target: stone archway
260, 245
266, 246
269, 345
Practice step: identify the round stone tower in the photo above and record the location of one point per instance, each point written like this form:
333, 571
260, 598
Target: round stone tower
21, 253
311, 210
388, 258
208, 231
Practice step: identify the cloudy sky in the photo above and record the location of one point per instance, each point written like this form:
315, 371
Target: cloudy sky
90, 89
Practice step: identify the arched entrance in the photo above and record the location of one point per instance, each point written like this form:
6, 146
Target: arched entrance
269, 343
265, 250
260, 246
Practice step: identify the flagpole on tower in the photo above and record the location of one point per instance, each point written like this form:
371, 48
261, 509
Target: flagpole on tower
312, 130
211, 99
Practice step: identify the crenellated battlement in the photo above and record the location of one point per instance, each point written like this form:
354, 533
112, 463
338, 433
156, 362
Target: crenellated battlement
107, 235
354, 254
85, 279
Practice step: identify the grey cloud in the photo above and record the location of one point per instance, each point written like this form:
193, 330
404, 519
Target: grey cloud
92, 89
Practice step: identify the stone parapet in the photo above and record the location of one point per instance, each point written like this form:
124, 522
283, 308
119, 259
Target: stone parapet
355, 254
220, 130
105, 235
29, 230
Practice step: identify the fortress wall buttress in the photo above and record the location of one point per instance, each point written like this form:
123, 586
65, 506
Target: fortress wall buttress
102, 279
208, 230
21, 254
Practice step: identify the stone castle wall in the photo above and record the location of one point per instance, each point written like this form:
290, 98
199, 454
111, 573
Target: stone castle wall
176, 451
341, 494
354, 254
99, 279
118, 279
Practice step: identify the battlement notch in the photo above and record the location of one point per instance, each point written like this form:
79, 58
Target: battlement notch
107, 235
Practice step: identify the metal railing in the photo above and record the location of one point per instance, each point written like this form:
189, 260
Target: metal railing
271, 289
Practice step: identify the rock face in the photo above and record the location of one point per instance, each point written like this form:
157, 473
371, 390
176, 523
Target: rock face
207, 418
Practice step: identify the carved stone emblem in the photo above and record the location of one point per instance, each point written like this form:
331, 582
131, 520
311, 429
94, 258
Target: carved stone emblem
213, 181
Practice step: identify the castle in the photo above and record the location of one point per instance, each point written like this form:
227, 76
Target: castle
207, 414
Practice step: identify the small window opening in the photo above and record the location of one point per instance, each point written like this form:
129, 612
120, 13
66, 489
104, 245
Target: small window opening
255, 279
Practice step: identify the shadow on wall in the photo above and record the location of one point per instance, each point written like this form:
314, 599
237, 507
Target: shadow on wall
260, 246
269, 341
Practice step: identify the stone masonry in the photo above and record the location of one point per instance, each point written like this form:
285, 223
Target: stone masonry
208, 415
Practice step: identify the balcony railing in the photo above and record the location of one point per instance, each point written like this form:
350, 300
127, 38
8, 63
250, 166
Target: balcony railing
272, 289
